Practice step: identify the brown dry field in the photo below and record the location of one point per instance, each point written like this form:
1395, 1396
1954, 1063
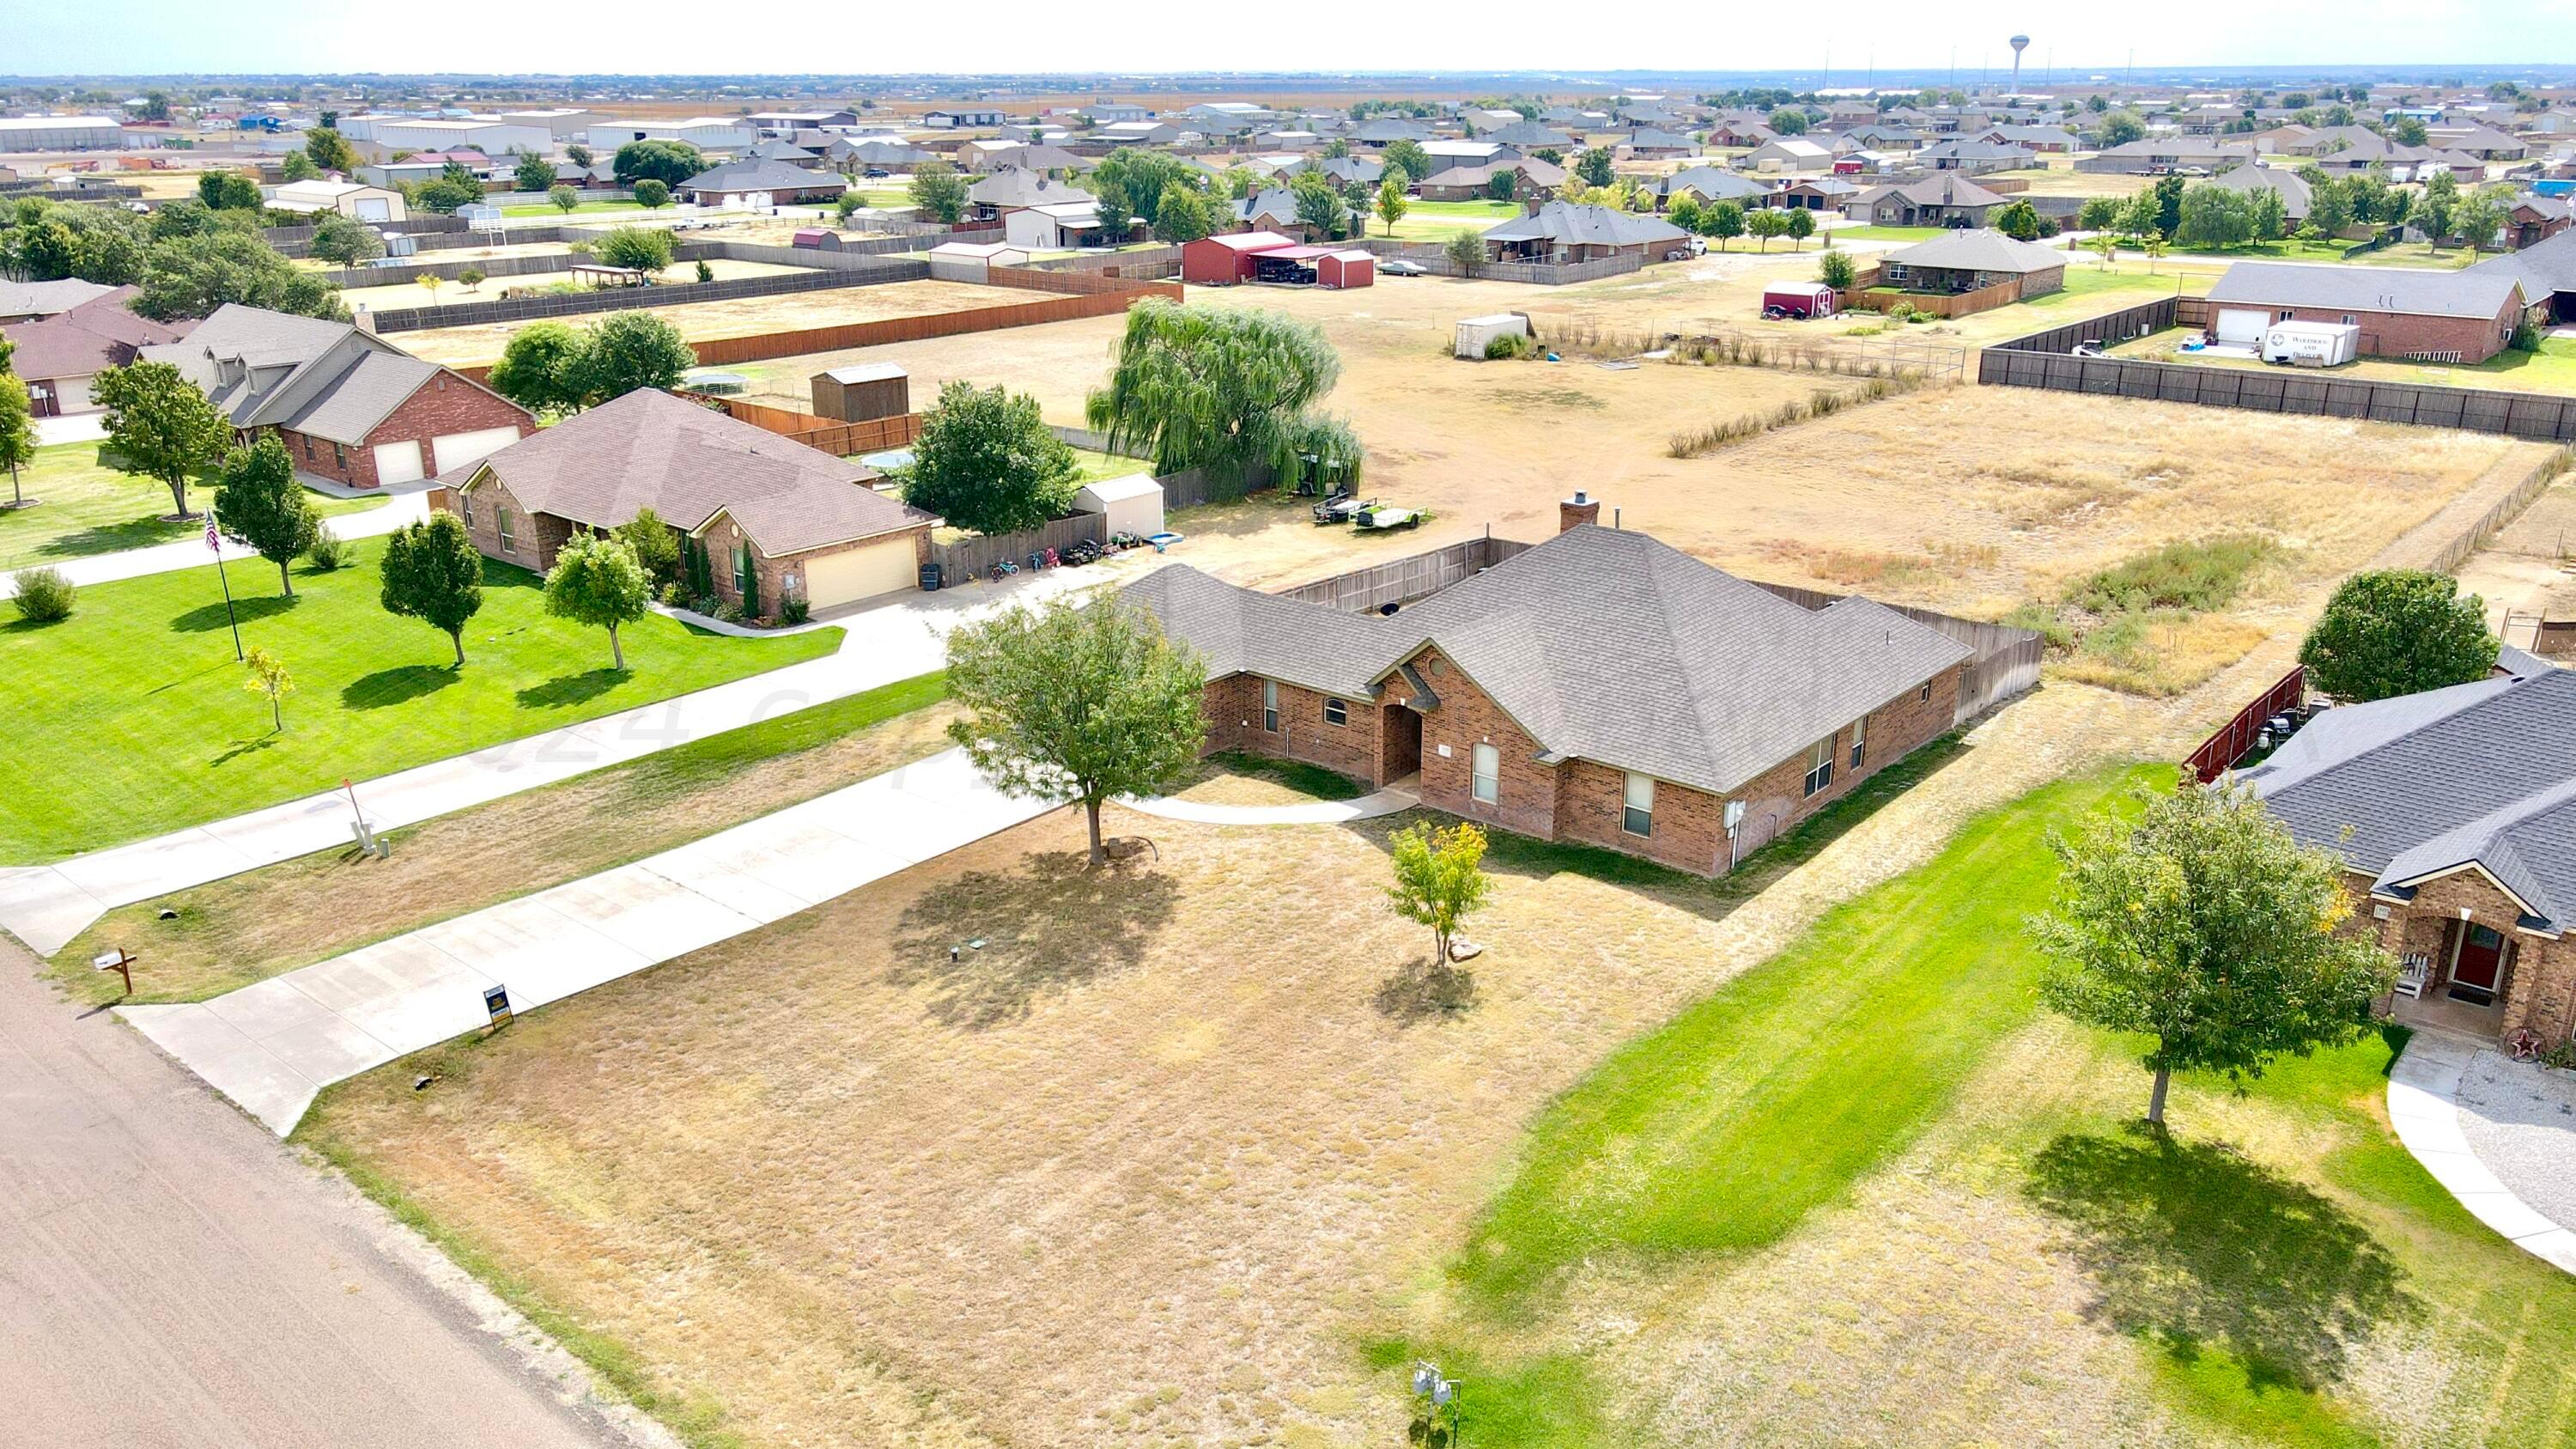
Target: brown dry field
2526, 570
404, 292
749, 316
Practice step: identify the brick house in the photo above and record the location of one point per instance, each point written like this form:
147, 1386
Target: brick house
2441, 316
351, 407
1561, 232
1973, 261
2454, 812
1601, 687
58, 355
763, 518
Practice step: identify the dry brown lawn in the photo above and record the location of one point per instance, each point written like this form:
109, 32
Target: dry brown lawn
249, 927
744, 317
401, 291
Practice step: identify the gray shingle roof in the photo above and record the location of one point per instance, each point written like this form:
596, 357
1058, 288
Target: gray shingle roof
758, 176
324, 378
2410, 787
1605, 645
1012, 186
2412, 290
1981, 250
687, 463
372, 386
1573, 225
2544, 267
44, 299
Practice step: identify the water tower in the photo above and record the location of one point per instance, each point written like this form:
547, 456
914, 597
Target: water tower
2020, 43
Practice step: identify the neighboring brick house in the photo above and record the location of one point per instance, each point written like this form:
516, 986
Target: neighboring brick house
1974, 261
2437, 316
1562, 232
762, 518
1600, 687
350, 407
2454, 811
58, 355
1532, 180
1948, 199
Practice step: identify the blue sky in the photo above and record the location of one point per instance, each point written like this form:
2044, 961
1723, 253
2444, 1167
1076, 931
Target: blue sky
140, 36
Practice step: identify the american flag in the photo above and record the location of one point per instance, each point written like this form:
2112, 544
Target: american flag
214, 540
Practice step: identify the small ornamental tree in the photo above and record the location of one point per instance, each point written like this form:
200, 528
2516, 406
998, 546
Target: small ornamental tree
987, 461
1766, 223
299, 167
330, 150
1593, 167
259, 502
631, 350
1407, 157
939, 191
17, 433
269, 680
1834, 269
1723, 220
2205, 926
564, 198
1467, 252
653, 195
159, 425
644, 248
471, 279
1075, 704
656, 545
1801, 224
2018, 220
2398, 631
534, 173
1439, 879
1687, 213
1392, 203
432, 572
597, 581
346, 240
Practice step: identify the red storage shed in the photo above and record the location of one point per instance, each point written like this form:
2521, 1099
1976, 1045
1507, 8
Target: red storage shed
1797, 301
1353, 268
1222, 261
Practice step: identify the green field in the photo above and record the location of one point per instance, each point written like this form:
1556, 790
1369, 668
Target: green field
1441, 220
130, 719
587, 208
88, 508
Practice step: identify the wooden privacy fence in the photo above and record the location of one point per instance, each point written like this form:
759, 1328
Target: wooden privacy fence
2044, 360
2003, 660
1403, 580
2237, 736
1938, 304
623, 299
720, 351
875, 435
972, 556
1077, 284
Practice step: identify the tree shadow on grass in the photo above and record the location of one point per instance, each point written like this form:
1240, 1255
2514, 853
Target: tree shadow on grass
113, 538
208, 617
2194, 1244
571, 689
243, 747
1425, 990
1049, 924
395, 686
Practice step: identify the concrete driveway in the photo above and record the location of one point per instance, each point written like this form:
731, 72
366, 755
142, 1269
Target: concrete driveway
272, 1046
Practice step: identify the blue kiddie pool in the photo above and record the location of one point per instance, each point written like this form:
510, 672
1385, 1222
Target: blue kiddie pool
1162, 541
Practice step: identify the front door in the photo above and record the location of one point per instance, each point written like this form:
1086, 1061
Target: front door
2473, 975
1403, 742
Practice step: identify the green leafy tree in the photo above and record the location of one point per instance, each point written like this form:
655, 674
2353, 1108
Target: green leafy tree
1801, 224
987, 461
1408, 157
2478, 217
1466, 251
1834, 268
653, 195
2205, 926
228, 191
432, 572
533, 173
43, 251
1686, 213
17, 431
1142, 180
656, 545
1765, 223
598, 581
630, 350
445, 198
644, 248
159, 425
192, 276
2268, 217
2122, 127
2409, 131
2138, 217
258, 501
2433, 211
2168, 192
1117, 218
843, 205
1439, 880
1186, 216
542, 368
1219, 388
1593, 167
1787, 122
329, 150
1392, 203
299, 167
1723, 221
2215, 217
938, 191
269, 680
1502, 186
471, 279
1075, 705
2398, 631
1319, 206
563, 198
345, 240
579, 156
2330, 208
2099, 213
669, 162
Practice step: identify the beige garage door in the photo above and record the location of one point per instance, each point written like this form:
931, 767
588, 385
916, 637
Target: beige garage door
860, 573
397, 462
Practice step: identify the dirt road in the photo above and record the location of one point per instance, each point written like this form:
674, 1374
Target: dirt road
176, 1277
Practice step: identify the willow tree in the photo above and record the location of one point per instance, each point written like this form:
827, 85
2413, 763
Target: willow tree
1222, 389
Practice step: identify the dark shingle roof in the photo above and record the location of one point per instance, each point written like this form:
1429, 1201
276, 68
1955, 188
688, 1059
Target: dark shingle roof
2406, 788
99, 333
1982, 250
2413, 290
2544, 267
1560, 221
759, 176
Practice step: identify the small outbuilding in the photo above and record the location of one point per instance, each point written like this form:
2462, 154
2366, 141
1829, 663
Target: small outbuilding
973, 261
1348, 268
1476, 333
1797, 301
1222, 261
862, 392
819, 238
1132, 504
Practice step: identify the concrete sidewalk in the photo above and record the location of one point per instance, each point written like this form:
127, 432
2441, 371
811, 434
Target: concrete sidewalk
46, 906
272, 1046
189, 553
2423, 1107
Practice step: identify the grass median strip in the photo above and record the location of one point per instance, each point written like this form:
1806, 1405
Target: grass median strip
230, 933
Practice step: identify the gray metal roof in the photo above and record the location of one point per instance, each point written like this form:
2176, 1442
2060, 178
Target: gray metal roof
688, 463
1012, 186
1981, 250
2412, 290
2411, 787
1565, 222
1710, 183
1605, 645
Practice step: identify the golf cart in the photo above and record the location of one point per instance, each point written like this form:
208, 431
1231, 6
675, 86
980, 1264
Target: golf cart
1341, 508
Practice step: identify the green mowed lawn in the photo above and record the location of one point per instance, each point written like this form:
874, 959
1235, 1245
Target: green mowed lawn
88, 508
130, 718
586, 208
1441, 220
2254, 1258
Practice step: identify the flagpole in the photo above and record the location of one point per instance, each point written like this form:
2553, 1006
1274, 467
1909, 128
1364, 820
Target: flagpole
215, 541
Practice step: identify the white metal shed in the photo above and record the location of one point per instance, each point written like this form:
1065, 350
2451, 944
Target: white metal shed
1132, 504
1475, 332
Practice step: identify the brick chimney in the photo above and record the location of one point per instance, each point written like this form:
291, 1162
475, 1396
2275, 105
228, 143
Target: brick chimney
1577, 511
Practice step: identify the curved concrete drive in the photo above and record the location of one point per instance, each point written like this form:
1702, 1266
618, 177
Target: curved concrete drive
406, 505
1388, 801
273, 1045
2424, 1092
45, 906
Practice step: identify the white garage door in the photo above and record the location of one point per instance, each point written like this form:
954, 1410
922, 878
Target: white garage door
859, 573
454, 450
2242, 326
374, 208
397, 462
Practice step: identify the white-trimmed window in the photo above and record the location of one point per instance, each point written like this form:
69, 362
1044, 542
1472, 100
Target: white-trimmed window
1820, 765
1925, 693
1336, 712
1485, 781
1860, 732
501, 521
1270, 706
465, 506
1637, 816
